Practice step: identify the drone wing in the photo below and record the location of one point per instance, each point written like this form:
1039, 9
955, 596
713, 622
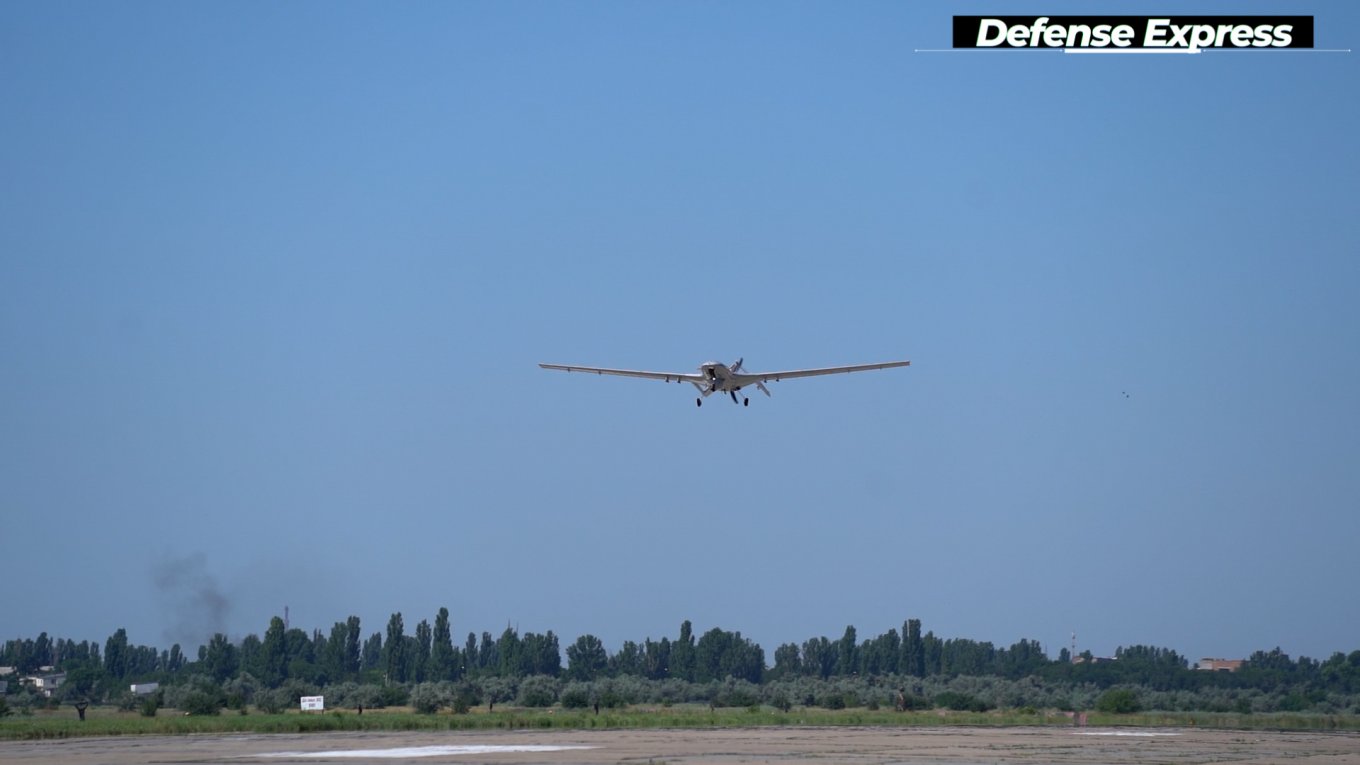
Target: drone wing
792, 373
666, 376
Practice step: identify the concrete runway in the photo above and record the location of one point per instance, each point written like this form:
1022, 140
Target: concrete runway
860, 746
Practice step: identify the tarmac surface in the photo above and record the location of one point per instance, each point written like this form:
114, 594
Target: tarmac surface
856, 746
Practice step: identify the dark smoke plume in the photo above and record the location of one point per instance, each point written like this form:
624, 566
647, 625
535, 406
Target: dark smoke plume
196, 608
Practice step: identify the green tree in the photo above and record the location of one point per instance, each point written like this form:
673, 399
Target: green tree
441, 648
657, 658
320, 647
682, 654
819, 658
913, 657
586, 658
787, 662
471, 660
274, 654
881, 655
334, 658
353, 653
252, 655
540, 655
847, 653
421, 661
116, 654
627, 661
507, 653
220, 659
302, 660
721, 654
709, 655
175, 661
932, 652
373, 651
488, 660
395, 660
42, 650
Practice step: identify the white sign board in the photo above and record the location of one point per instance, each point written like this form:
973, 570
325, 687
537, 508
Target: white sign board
313, 703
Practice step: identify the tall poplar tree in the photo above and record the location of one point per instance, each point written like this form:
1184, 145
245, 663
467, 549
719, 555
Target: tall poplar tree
420, 663
394, 650
441, 648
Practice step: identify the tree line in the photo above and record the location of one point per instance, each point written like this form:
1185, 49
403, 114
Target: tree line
429, 655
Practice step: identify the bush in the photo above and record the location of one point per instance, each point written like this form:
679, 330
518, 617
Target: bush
780, 700
241, 690
199, 696
538, 691
1118, 701
272, 702
427, 698
961, 702
201, 702
366, 696
394, 696
149, 706
465, 696
576, 696
608, 696
294, 689
1294, 702
497, 689
910, 702
5, 711
736, 693
834, 699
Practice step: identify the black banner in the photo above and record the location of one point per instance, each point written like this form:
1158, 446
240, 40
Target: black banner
1142, 32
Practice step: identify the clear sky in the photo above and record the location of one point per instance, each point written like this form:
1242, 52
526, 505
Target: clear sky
275, 278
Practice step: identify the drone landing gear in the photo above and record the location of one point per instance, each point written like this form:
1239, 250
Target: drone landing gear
698, 402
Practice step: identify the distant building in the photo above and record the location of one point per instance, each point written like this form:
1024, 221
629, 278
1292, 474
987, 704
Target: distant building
45, 684
142, 689
1092, 659
1219, 665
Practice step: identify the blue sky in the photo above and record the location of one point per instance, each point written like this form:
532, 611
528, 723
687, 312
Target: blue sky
275, 278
